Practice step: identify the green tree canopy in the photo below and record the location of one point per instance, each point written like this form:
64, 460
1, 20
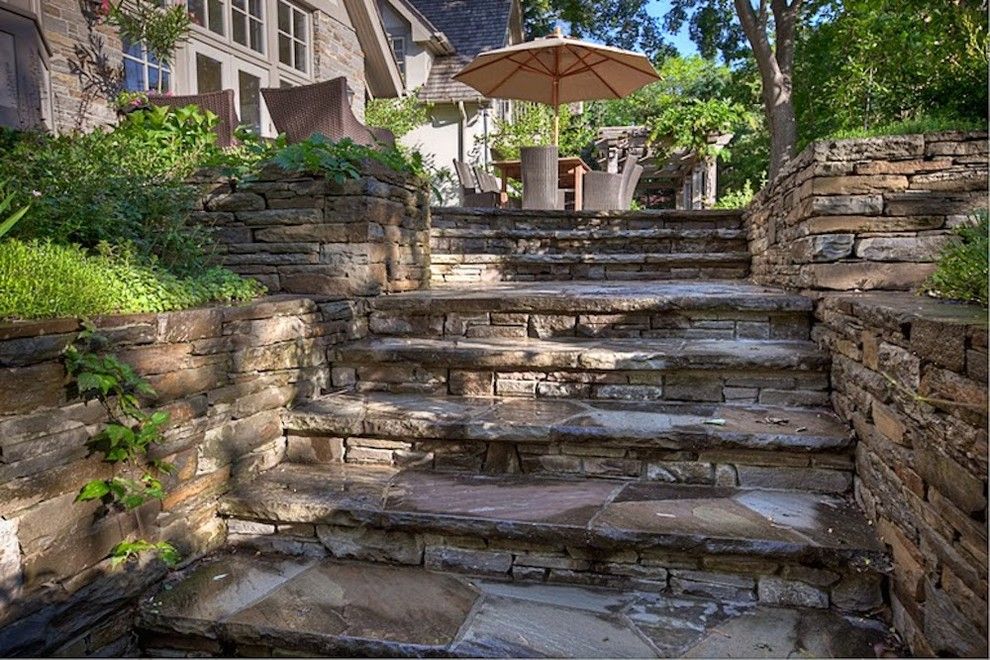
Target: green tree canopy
864, 63
620, 23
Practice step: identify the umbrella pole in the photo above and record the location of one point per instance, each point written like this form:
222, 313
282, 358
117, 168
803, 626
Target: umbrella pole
556, 109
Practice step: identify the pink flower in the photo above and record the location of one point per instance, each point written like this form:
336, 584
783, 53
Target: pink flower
105, 7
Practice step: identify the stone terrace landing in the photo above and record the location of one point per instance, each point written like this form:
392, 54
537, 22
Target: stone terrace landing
259, 606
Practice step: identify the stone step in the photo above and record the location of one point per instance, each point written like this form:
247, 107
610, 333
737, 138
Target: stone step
270, 605
697, 310
487, 219
712, 444
588, 266
594, 241
739, 545
769, 372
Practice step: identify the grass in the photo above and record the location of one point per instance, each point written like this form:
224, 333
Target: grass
909, 127
40, 279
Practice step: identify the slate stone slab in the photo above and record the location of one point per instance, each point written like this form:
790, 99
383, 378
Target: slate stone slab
281, 606
589, 513
507, 627
214, 591
361, 608
594, 297
648, 424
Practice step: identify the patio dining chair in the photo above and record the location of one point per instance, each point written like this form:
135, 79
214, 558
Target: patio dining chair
471, 193
631, 172
322, 107
219, 103
602, 191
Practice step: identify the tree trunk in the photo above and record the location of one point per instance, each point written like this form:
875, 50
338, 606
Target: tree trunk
775, 65
779, 110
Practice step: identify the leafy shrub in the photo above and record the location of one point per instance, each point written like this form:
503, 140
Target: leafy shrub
120, 186
399, 115
532, 125
962, 269
342, 159
736, 199
41, 279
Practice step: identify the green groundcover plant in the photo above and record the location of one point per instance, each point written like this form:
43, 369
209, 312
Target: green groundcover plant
962, 269
42, 279
99, 223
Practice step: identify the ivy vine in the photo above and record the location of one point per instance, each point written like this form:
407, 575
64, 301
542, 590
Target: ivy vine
125, 440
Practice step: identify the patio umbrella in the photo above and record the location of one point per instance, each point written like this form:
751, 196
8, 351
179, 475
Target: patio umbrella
555, 70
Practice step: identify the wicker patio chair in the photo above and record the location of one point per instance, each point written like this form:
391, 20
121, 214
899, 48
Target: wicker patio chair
322, 107
602, 191
540, 177
219, 103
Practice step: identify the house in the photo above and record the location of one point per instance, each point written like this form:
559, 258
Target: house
433, 40
60, 62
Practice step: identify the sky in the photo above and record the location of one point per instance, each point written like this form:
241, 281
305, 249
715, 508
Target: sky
680, 40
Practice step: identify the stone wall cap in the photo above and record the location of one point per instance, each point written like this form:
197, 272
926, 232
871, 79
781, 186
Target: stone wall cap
906, 307
44, 327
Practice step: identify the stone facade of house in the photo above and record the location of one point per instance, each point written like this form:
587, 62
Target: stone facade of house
866, 214
86, 65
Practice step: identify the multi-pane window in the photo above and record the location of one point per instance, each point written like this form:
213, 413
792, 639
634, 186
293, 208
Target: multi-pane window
141, 70
247, 26
399, 50
208, 14
293, 36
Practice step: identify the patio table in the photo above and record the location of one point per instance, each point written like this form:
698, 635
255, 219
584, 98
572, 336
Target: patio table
571, 171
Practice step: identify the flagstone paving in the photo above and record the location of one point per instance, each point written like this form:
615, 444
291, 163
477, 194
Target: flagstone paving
237, 604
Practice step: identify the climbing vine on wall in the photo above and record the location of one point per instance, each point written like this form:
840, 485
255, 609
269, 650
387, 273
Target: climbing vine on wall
124, 441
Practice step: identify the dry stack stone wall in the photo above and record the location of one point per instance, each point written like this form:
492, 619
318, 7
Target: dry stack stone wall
223, 374
308, 235
866, 214
911, 375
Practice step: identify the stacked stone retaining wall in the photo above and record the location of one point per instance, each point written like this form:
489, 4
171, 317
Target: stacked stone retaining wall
305, 234
866, 214
223, 374
911, 375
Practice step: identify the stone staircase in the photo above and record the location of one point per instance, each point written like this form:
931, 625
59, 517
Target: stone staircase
667, 443
472, 245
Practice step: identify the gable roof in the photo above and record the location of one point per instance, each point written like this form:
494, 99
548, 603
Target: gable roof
422, 29
471, 26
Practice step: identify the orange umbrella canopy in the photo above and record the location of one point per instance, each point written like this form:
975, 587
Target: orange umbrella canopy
557, 70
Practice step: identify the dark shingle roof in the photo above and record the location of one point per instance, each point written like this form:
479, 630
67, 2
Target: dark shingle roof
471, 26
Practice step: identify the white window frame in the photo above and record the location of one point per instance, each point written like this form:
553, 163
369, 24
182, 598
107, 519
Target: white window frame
147, 66
400, 61
245, 16
231, 64
306, 39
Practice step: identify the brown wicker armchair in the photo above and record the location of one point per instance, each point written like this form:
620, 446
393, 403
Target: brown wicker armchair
322, 107
219, 103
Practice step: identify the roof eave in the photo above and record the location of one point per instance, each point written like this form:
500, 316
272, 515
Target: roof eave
383, 77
